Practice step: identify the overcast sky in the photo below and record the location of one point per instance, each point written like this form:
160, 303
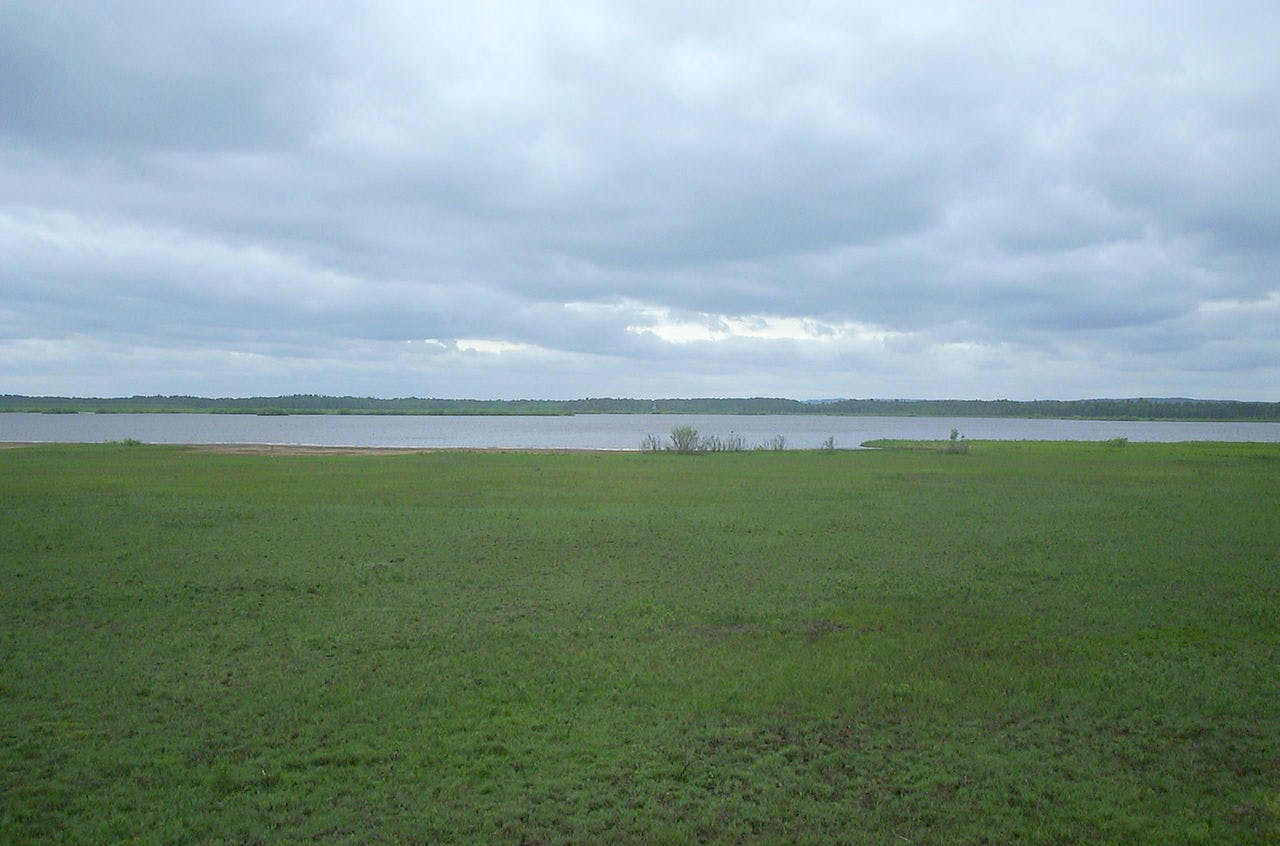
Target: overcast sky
562, 200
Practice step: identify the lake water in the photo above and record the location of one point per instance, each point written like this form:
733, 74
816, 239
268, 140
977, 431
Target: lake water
586, 431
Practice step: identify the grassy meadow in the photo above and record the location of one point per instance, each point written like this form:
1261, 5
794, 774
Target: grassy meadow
1037, 643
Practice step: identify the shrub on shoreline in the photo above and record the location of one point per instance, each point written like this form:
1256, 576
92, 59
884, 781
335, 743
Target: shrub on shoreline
685, 440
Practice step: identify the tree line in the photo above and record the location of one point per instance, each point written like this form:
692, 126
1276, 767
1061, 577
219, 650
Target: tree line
1094, 409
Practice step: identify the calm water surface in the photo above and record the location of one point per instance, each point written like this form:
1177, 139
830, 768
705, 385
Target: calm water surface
586, 431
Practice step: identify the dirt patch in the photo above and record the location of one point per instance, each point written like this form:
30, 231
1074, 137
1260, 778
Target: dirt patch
816, 629
294, 449
305, 449
719, 631
298, 449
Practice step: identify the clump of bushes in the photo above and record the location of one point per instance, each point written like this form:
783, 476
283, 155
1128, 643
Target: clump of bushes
957, 445
685, 440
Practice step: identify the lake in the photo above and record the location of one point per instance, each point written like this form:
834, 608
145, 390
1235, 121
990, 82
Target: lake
586, 431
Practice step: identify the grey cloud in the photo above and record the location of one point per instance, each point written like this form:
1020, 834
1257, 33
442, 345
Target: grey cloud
1073, 180
128, 77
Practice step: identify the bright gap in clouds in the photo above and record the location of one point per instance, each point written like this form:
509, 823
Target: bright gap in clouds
484, 346
493, 347
666, 325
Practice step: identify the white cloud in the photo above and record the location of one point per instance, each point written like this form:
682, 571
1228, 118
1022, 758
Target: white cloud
491, 347
663, 324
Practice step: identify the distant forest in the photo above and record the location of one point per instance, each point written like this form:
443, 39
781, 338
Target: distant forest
1093, 409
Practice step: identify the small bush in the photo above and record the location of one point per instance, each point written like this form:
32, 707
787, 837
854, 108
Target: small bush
715, 443
651, 443
1117, 442
684, 440
829, 445
957, 445
775, 444
130, 442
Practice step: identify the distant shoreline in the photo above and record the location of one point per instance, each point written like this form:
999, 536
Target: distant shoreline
1134, 409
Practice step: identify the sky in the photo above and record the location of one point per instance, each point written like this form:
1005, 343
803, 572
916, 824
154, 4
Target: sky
661, 199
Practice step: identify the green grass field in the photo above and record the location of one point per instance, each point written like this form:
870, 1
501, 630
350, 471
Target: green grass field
1039, 643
